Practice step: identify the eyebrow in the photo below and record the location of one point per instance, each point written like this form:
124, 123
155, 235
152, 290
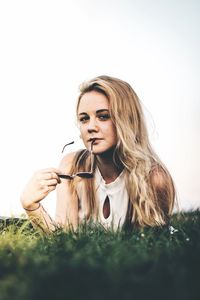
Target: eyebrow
98, 111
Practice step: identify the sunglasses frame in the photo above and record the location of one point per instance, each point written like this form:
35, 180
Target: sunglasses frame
80, 174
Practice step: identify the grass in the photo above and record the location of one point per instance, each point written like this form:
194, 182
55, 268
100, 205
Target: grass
159, 263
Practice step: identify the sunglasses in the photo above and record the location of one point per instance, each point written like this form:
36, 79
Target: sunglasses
80, 174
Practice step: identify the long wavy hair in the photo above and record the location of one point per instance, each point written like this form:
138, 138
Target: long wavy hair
151, 204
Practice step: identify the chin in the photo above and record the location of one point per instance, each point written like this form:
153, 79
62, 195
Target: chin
98, 151
103, 150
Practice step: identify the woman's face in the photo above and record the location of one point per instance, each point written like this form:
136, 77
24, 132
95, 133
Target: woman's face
95, 122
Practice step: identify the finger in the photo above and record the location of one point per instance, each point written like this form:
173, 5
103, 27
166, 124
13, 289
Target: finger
52, 182
47, 189
43, 184
51, 188
55, 176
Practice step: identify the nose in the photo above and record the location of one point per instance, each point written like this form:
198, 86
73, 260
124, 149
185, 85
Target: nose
92, 125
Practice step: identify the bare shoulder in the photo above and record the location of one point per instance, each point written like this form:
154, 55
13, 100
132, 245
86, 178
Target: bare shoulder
159, 178
66, 162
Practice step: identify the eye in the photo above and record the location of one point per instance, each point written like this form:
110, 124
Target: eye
84, 119
104, 117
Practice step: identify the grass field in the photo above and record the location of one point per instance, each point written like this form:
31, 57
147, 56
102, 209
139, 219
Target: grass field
160, 263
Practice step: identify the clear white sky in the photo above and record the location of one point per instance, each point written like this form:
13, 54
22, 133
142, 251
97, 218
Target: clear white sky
47, 48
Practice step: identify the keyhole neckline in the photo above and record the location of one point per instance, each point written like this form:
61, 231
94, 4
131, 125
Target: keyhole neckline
106, 208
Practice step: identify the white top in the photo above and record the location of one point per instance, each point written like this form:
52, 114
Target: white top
118, 196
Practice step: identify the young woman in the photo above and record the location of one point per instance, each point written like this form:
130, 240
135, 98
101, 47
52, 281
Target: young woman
118, 179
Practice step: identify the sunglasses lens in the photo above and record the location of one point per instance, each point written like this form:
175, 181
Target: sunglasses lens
85, 175
65, 176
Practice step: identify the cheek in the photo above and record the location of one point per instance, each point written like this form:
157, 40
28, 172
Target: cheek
83, 131
113, 131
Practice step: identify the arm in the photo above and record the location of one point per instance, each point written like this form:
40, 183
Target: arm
41, 219
38, 187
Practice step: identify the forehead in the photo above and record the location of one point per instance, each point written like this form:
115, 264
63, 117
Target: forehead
92, 101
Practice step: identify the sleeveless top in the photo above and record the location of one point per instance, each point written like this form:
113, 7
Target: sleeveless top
118, 199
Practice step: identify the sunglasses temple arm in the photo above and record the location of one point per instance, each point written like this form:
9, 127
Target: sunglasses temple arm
92, 162
81, 156
67, 145
91, 158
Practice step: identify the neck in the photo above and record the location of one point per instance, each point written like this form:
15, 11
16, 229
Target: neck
109, 170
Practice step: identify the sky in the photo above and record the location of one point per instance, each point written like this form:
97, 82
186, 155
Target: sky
48, 48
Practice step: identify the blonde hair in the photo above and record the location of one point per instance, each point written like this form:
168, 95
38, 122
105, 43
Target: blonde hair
151, 200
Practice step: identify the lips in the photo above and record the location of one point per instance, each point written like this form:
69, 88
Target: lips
94, 139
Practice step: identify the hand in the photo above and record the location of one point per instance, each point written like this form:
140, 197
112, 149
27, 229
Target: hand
39, 186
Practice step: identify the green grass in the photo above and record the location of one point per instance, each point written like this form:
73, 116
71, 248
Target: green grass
159, 263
